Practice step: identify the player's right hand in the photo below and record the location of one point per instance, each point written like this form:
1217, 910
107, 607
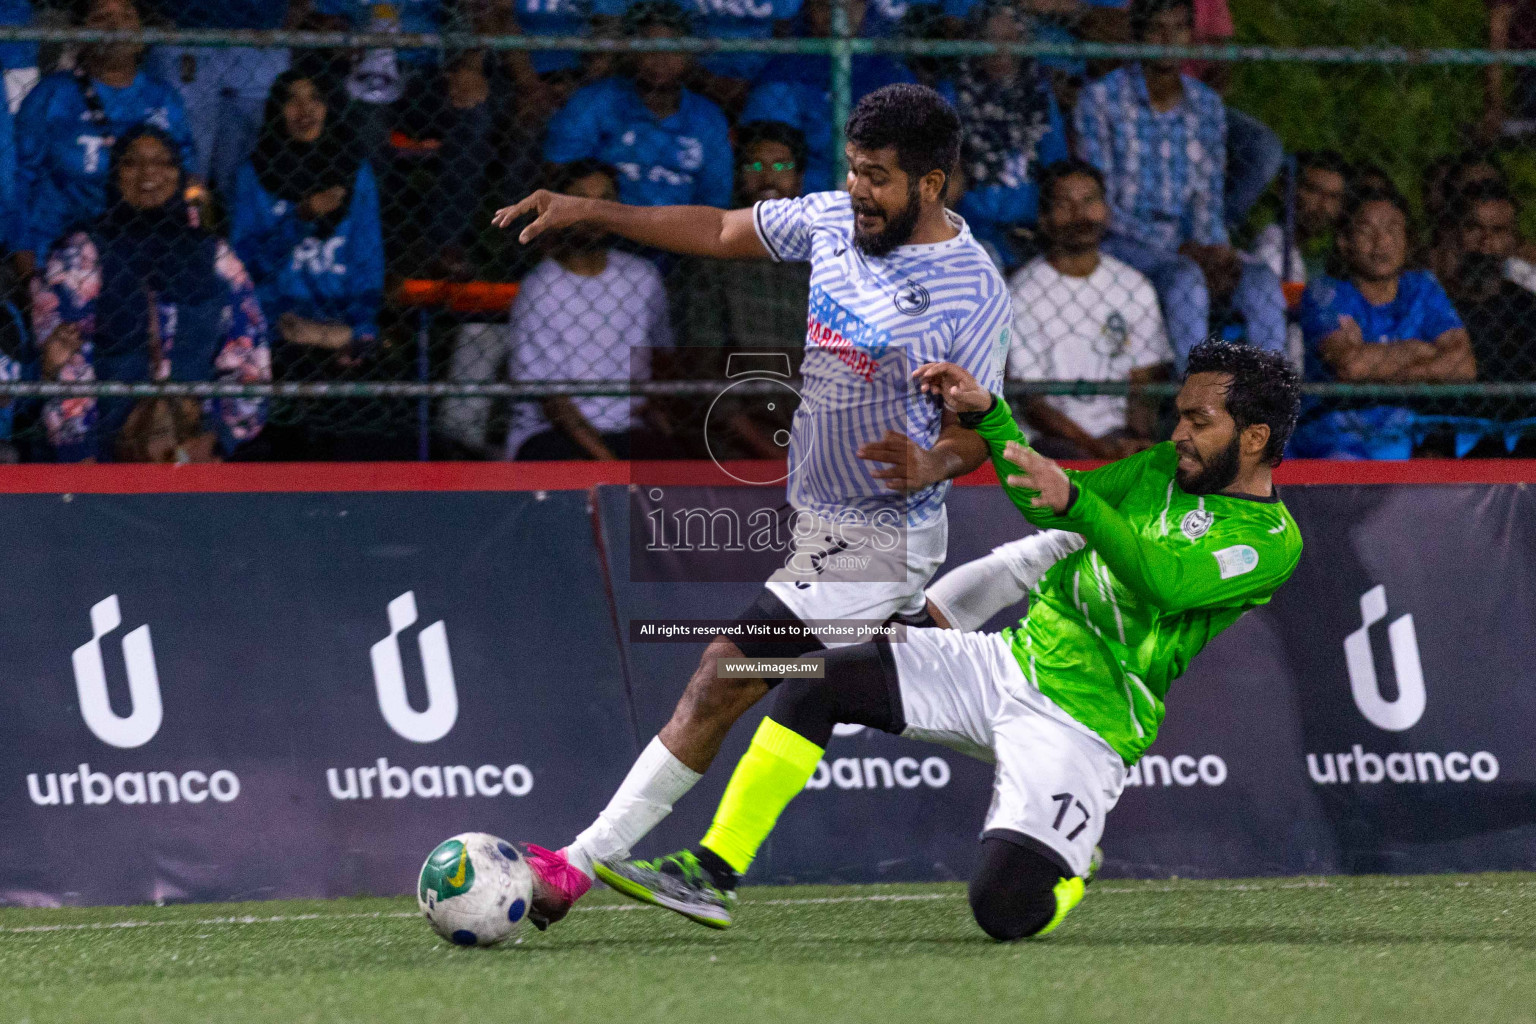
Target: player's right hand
551, 211
954, 385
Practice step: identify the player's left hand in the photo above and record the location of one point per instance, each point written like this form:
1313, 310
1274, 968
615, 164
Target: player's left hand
1039, 473
912, 467
954, 385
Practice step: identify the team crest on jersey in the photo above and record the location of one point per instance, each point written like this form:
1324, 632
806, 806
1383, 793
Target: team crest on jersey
1116, 333
912, 299
1196, 523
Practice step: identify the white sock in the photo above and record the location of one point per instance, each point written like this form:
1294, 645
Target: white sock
970, 594
653, 785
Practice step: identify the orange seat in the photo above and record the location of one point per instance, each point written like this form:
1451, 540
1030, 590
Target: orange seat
457, 296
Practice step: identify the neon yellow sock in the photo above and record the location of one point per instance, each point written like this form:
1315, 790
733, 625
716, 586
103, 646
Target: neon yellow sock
775, 767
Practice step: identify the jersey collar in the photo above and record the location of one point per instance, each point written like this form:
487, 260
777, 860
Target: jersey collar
960, 241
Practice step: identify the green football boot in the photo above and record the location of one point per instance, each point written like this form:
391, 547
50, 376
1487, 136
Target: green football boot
677, 882
1070, 891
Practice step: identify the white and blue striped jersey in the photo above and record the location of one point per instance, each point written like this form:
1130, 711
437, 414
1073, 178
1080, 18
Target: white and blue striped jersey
871, 322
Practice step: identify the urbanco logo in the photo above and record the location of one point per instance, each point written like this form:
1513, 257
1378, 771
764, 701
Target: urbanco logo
1360, 766
1408, 707
143, 721
389, 676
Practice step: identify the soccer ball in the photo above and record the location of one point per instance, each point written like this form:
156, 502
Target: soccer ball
475, 889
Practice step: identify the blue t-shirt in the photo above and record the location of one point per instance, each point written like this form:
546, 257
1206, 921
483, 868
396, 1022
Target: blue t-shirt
62, 152
246, 14
882, 18
796, 89
414, 16
336, 278
682, 159
10, 191
560, 18
17, 55
737, 19
1421, 311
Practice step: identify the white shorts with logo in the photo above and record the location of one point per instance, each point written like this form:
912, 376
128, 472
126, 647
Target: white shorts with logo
1056, 778
831, 580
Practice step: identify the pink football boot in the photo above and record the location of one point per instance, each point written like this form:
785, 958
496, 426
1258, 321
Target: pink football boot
557, 884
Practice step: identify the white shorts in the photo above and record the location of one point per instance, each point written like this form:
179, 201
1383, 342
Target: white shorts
1056, 778
855, 571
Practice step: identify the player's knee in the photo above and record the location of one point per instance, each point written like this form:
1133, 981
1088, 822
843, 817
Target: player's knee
1013, 894
1008, 913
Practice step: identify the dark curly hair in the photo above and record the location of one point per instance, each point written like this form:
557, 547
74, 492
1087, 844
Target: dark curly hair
916, 120
1264, 389
1052, 175
787, 135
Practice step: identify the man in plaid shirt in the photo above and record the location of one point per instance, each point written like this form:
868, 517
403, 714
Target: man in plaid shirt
1160, 139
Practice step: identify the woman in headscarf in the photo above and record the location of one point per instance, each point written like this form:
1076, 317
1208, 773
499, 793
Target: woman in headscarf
144, 293
306, 222
67, 125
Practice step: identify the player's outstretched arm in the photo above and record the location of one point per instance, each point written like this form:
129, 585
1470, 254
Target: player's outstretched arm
962, 394
688, 230
993, 422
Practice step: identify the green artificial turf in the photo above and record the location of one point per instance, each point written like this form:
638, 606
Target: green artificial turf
1439, 949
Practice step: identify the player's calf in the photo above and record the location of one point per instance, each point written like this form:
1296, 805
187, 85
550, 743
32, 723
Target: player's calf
1018, 892
709, 706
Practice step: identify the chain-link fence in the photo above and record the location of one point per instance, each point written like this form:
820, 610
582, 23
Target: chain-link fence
258, 230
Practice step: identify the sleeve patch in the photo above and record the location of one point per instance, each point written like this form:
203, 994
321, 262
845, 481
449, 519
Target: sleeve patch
1236, 560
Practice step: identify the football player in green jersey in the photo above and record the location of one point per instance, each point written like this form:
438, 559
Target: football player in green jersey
1179, 541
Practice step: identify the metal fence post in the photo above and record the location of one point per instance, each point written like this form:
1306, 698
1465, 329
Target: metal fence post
842, 87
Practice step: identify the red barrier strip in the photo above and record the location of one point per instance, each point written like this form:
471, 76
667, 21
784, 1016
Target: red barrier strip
558, 476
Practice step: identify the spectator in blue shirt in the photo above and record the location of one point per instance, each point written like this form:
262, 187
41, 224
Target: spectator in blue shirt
10, 192
415, 17
305, 221
18, 59
1382, 324
670, 145
1012, 129
726, 77
222, 87
67, 125
796, 89
1159, 137
562, 18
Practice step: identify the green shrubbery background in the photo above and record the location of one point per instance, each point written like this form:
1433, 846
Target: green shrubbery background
1399, 117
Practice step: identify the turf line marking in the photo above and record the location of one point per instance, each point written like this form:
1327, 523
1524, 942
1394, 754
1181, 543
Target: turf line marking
245, 919
1315, 883
290, 918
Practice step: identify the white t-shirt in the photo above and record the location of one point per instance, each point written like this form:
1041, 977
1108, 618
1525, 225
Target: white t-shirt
569, 327
871, 321
1095, 328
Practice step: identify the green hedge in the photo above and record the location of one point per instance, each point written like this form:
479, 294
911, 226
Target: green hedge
1399, 116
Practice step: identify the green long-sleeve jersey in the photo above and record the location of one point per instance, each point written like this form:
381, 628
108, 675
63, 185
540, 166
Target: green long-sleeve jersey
1113, 624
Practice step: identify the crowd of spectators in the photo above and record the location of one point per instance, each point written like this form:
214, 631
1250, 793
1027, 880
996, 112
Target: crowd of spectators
230, 213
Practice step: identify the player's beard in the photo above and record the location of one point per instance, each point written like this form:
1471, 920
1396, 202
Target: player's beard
898, 229
1216, 474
